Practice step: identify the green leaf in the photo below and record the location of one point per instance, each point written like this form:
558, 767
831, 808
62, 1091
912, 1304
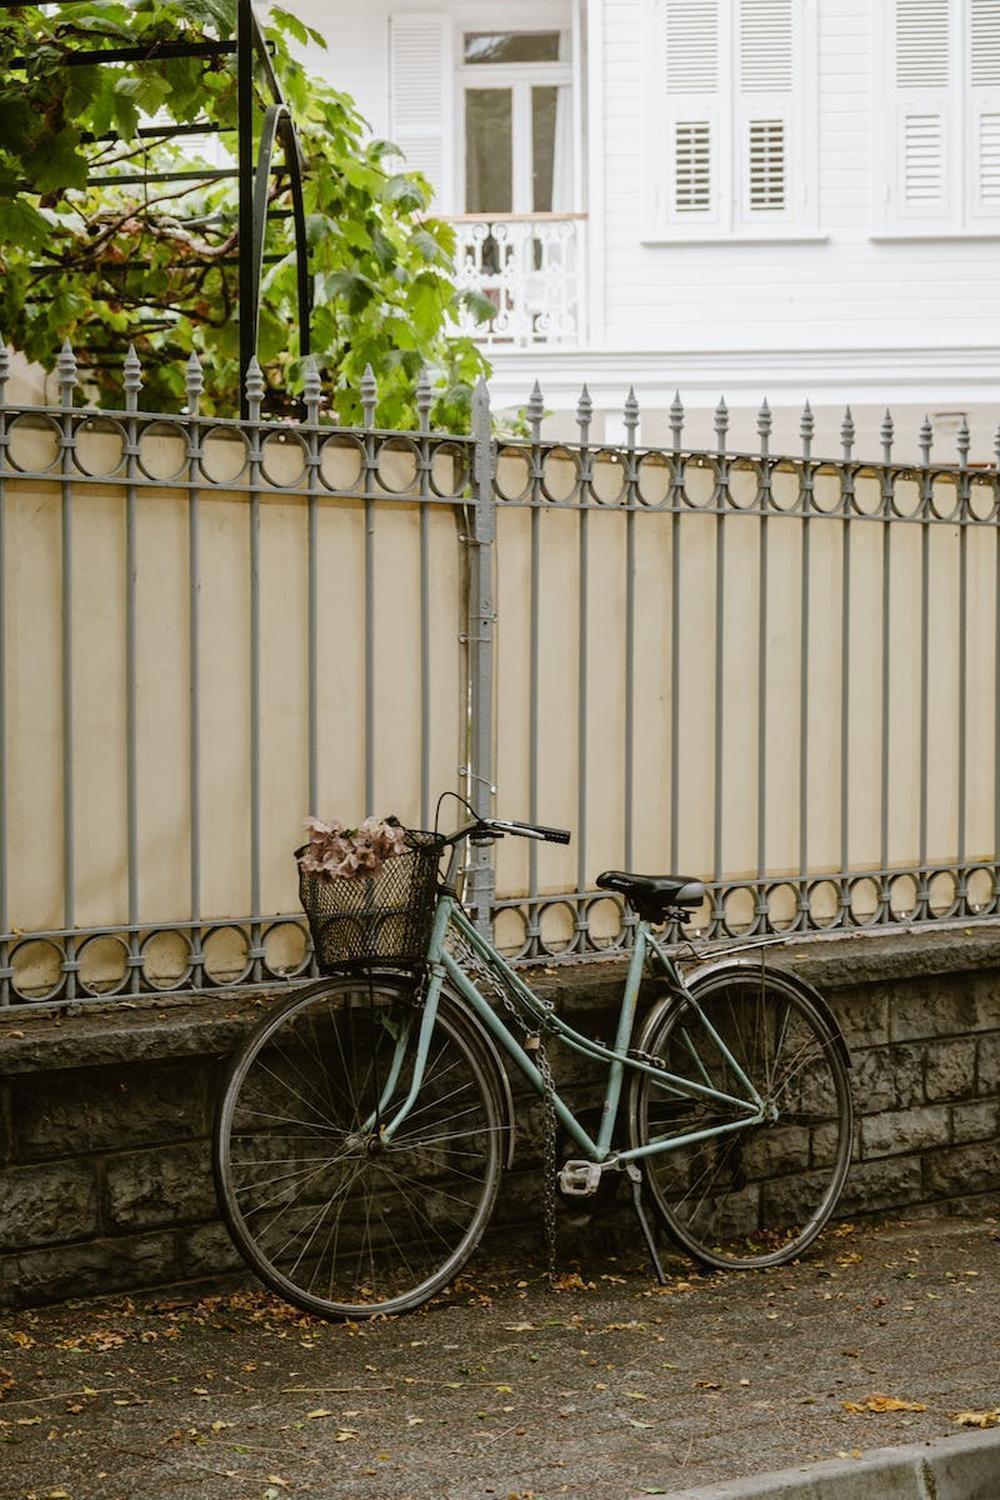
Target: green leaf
22, 224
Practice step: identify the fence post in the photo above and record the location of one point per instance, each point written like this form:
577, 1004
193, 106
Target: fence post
481, 884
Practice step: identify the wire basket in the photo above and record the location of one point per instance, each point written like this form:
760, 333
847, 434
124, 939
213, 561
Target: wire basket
385, 918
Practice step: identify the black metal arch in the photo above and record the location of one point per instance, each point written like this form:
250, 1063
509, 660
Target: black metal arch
278, 130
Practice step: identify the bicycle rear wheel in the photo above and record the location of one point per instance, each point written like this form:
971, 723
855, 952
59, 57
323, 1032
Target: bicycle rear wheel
336, 1218
756, 1196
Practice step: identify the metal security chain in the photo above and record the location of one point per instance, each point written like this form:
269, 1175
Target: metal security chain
528, 1025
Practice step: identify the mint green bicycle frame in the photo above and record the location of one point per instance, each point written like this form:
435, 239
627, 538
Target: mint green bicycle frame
442, 966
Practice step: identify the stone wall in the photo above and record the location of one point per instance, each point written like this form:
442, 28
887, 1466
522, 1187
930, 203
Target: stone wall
105, 1116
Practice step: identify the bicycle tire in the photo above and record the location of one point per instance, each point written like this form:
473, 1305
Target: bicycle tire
760, 1196
369, 1227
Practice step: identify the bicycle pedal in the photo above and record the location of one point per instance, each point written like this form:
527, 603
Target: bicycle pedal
579, 1179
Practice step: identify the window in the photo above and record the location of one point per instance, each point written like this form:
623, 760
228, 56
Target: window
941, 131
732, 118
487, 116
516, 116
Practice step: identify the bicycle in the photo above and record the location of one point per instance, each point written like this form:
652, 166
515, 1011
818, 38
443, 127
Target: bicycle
365, 1125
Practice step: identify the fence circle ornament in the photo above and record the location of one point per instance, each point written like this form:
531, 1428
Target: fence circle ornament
744, 487
283, 456
513, 476
451, 463
982, 498
907, 494
787, 491
225, 455
944, 496
904, 896
867, 498
604, 918
37, 972
943, 893
398, 466
557, 928
655, 480
341, 463
225, 955
99, 447
167, 958
560, 475
865, 900
828, 491
824, 903
980, 889
104, 964
286, 940
782, 901
34, 444
163, 451
608, 477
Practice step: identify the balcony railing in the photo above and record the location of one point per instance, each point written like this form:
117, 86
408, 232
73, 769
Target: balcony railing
531, 267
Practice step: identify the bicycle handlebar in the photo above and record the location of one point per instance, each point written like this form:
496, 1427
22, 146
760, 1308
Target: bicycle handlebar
497, 827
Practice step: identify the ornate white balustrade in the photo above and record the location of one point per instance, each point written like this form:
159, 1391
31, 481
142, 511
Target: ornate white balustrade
531, 268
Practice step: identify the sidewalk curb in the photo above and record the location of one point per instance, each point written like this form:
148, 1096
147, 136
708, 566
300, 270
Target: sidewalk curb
965, 1467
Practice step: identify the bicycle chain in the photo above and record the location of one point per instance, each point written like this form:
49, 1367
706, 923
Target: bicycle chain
534, 1045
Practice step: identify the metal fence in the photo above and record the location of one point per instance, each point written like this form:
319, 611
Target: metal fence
778, 673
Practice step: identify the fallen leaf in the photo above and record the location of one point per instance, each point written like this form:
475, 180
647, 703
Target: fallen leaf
880, 1403
978, 1418
345, 1435
321, 1411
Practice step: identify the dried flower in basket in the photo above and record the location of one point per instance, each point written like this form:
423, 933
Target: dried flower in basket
350, 853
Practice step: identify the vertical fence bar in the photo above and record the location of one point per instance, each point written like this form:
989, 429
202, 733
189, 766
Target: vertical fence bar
66, 368
132, 385
584, 409
369, 401
996, 663
718, 748
847, 508
764, 433
194, 382
5, 974
806, 429
676, 501
424, 402
481, 870
311, 393
632, 496
888, 484
535, 413
962, 884
927, 492
255, 396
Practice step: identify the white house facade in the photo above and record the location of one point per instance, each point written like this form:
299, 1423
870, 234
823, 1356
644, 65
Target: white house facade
790, 198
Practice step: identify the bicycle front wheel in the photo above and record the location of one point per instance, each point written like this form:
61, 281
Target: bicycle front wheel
329, 1212
757, 1195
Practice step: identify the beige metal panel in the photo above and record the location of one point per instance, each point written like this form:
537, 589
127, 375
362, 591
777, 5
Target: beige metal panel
341, 632
653, 707
696, 638
225, 705
557, 695
34, 666
865, 698
446, 749
825, 686
513, 656
284, 696
943, 695
605, 726
982, 757
784, 707
904, 696
741, 634
397, 662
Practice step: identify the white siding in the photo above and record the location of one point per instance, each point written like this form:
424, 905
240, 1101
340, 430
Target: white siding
693, 305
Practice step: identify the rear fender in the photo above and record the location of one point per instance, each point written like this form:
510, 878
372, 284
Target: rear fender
743, 967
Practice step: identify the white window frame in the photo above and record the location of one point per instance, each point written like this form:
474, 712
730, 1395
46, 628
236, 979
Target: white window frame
891, 220
732, 220
520, 78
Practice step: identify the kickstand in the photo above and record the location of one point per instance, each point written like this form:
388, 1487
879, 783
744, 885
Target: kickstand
635, 1177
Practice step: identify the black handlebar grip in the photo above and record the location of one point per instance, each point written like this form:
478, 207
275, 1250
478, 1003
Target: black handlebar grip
554, 835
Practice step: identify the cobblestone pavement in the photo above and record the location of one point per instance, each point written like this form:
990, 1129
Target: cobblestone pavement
609, 1387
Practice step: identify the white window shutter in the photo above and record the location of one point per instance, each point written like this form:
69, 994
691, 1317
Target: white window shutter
984, 109
421, 95
922, 186
692, 77
767, 73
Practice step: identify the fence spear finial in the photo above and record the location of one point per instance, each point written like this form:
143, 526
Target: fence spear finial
677, 420
765, 422
584, 412
807, 428
887, 432
425, 399
721, 423
631, 416
847, 432
194, 383
926, 439
368, 390
254, 388
962, 442
66, 372
535, 411
132, 379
